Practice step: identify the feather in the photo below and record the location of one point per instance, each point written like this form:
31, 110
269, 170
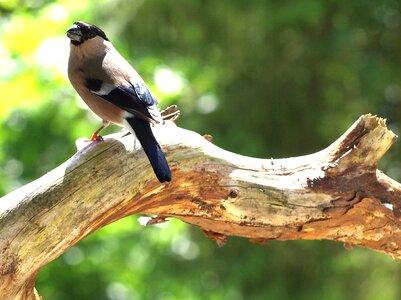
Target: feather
127, 99
143, 132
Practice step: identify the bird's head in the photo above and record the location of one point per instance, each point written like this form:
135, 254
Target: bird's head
80, 32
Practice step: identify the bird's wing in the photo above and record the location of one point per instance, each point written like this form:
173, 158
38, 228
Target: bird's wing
134, 98
119, 84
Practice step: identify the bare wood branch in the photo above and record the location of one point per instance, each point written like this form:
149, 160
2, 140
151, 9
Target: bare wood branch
336, 194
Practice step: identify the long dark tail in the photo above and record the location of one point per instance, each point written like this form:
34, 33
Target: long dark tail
152, 148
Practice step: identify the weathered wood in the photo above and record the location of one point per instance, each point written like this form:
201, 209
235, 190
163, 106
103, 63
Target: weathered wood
336, 194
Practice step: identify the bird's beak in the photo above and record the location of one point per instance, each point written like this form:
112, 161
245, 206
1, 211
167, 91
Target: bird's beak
74, 33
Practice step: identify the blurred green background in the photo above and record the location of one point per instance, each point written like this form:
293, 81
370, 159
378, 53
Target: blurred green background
265, 78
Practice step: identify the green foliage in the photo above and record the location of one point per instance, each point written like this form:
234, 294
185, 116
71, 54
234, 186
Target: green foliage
265, 78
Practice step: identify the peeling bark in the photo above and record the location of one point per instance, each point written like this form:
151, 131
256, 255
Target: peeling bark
335, 194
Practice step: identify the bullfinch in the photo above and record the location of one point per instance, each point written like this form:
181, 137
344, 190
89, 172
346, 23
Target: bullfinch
114, 90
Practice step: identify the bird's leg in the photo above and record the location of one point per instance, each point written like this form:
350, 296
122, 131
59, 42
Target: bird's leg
95, 136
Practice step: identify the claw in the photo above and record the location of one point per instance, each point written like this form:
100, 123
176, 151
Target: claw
95, 137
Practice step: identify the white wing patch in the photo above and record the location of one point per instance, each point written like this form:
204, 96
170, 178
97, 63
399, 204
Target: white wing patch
105, 89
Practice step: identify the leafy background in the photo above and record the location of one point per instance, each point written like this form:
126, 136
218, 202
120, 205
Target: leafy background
265, 78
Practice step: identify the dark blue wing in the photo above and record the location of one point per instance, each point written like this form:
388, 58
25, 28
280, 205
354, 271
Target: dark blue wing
143, 93
134, 98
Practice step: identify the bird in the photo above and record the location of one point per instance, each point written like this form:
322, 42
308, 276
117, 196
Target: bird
114, 91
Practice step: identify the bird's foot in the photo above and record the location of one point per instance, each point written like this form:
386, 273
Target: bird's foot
95, 137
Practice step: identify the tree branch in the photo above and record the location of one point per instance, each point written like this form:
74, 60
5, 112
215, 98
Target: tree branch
336, 194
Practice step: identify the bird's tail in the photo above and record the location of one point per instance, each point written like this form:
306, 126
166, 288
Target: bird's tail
151, 147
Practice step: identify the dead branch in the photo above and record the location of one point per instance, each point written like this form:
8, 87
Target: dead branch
336, 194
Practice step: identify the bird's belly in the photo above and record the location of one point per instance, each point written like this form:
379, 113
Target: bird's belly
105, 110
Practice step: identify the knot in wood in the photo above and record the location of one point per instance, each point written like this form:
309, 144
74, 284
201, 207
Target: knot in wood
233, 194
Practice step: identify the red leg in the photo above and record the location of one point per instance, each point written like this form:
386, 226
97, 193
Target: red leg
95, 136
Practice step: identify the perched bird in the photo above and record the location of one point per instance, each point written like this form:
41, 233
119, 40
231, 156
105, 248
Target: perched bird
114, 90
